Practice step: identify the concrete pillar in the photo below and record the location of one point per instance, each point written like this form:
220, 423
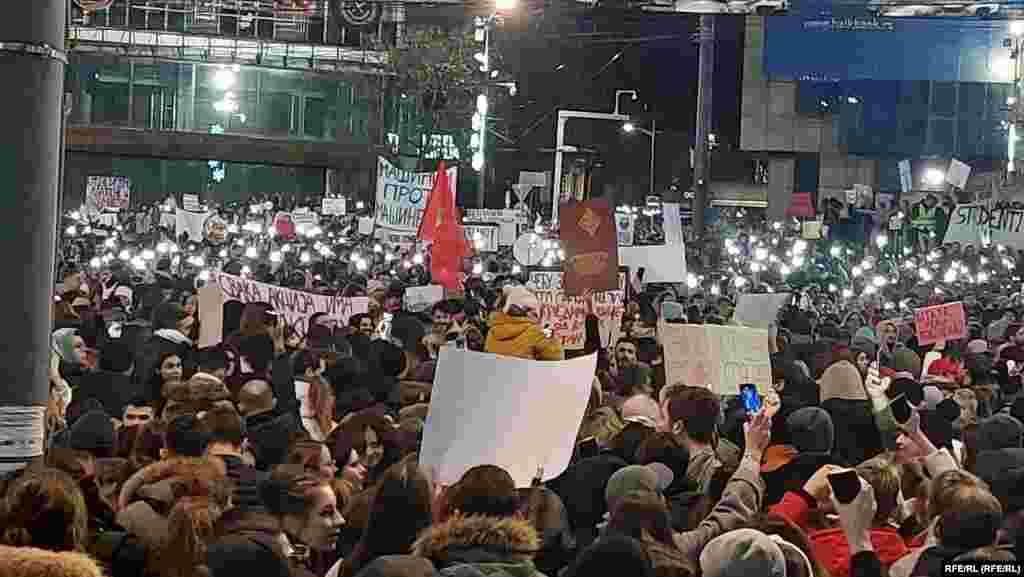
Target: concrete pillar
32, 58
781, 180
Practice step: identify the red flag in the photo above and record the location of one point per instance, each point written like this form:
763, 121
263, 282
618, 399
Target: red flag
442, 226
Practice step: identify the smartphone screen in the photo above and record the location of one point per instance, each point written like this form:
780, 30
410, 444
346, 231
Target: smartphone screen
845, 486
901, 409
751, 399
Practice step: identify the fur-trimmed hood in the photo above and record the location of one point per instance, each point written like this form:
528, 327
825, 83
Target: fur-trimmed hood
32, 562
480, 540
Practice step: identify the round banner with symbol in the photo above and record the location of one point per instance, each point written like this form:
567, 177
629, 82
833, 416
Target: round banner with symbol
358, 12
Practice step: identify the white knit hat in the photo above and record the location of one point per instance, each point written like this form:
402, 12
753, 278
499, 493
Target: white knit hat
520, 296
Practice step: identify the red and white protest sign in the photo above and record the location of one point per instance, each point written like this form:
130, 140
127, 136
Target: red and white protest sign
107, 193
946, 322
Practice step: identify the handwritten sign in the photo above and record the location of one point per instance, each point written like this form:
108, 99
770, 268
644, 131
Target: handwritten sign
483, 238
978, 223
296, 307
566, 315
107, 192
402, 196
946, 322
719, 357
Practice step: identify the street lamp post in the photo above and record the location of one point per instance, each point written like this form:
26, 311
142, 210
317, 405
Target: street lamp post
561, 148
629, 127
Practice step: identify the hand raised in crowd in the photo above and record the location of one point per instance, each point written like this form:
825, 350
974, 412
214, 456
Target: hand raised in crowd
817, 486
857, 516
757, 433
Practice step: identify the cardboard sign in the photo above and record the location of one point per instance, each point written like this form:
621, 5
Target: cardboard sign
718, 357
508, 220
946, 322
333, 206
566, 315
518, 414
190, 223
977, 223
107, 193
958, 173
664, 263
588, 234
296, 307
482, 238
402, 196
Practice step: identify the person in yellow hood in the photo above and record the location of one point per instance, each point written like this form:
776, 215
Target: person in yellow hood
514, 331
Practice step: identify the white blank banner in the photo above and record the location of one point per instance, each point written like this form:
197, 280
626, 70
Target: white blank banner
517, 414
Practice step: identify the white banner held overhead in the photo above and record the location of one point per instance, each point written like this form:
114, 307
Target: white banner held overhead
190, 223
190, 202
402, 196
978, 223
520, 415
509, 220
419, 299
719, 357
296, 307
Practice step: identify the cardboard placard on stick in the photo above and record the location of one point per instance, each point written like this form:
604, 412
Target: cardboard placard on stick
946, 322
718, 357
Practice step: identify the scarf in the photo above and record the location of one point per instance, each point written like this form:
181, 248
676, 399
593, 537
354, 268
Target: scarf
63, 344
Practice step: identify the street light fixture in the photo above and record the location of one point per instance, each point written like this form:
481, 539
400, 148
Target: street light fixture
628, 127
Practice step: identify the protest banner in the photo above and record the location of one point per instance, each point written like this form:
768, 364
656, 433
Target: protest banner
420, 298
333, 206
719, 357
661, 263
588, 234
294, 306
517, 414
107, 193
483, 238
304, 219
624, 228
980, 223
402, 196
759, 311
566, 315
946, 322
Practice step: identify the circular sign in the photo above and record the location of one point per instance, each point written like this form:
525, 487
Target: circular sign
359, 12
528, 249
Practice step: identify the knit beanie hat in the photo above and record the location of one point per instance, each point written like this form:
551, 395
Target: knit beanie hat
1000, 431
93, 431
842, 380
739, 546
906, 360
811, 430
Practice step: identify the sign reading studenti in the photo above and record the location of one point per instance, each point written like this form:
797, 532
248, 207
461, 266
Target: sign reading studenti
980, 223
946, 322
402, 196
295, 307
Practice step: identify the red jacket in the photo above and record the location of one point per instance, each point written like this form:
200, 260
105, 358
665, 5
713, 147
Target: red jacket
830, 547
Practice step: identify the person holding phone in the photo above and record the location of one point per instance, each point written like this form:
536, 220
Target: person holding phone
832, 482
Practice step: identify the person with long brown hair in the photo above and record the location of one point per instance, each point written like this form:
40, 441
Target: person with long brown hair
307, 509
44, 508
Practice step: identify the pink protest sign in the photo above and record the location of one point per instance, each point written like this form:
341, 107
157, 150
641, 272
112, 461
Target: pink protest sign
946, 322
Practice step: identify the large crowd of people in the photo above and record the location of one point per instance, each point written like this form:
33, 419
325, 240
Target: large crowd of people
282, 454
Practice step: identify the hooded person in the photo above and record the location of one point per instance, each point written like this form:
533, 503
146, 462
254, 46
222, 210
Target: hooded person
999, 447
93, 432
844, 397
166, 338
514, 331
482, 533
811, 436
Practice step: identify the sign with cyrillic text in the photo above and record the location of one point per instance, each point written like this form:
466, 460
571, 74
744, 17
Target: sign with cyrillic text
946, 322
402, 196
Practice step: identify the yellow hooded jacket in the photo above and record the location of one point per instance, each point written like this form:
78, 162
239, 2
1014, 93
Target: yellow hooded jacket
519, 337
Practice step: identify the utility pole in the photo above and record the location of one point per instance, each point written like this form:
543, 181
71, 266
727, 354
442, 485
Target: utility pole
33, 58
705, 81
